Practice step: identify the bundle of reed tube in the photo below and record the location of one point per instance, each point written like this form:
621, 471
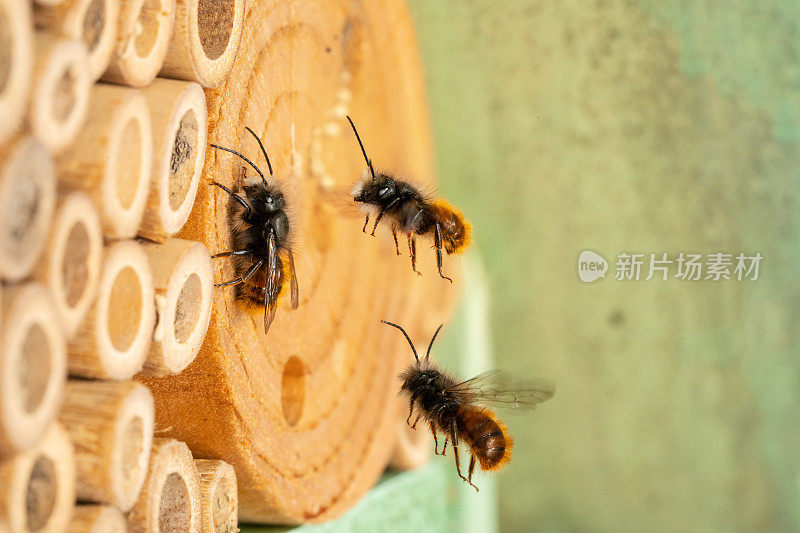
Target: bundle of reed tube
133, 393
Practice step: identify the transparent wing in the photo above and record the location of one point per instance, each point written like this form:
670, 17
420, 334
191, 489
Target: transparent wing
496, 389
295, 290
270, 288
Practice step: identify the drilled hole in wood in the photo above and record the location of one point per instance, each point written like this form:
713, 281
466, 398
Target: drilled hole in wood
132, 449
174, 514
6, 47
93, 23
147, 27
221, 507
64, 97
75, 266
40, 497
293, 390
215, 25
33, 368
128, 164
181, 166
187, 308
124, 309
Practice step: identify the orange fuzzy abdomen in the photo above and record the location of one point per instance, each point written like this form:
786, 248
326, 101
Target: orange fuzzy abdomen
487, 437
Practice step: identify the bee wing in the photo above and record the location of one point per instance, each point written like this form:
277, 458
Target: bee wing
496, 389
271, 281
295, 289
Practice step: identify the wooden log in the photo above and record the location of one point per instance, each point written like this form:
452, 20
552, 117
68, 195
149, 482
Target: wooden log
89, 518
111, 425
16, 64
39, 486
218, 490
93, 22
112, 159
113, 340
27, 200
145, 29
205, 40
71, 268
180, 123
307, 414
32, 366
184, 288
61, 86
412, 449
170, 499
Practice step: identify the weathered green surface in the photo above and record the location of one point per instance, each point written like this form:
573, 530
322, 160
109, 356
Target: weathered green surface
641, 126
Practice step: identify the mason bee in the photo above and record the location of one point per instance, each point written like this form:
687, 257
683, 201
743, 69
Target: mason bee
261, 237
411, 210
460, 409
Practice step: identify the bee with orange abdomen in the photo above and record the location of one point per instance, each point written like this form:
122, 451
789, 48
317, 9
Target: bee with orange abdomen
409, 209
460, 409
261, 237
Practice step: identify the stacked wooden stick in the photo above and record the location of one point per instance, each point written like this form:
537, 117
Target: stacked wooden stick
102, 143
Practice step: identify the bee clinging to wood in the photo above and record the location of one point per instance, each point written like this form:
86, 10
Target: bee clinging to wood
410, 210
261, 238
460, 409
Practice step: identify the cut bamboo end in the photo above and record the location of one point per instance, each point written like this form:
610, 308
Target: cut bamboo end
93, 22
16, 64
205, 41
27, 200
38, 486
113, 158
97, 519
113, 340
220, 496
184, 286
61, 86
71, 268
145, 28
111, 425
412, 448
179, 133
32, 366
170, 499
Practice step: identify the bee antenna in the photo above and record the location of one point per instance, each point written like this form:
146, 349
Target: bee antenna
407, 338
428, 355
263, 150
363, 151
234, 152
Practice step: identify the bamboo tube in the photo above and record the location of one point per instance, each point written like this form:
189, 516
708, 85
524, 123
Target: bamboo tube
113, 340
32, 366
61, 86
27, 200
324, 380
145, 29
71, 268
16, 64
113, 158
218, 489
205, 40
93, 22
111, 425
87, 518
184, 293
170, 499
179, 132
38, 486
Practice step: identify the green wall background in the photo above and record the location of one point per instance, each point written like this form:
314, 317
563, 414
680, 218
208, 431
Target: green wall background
633, 126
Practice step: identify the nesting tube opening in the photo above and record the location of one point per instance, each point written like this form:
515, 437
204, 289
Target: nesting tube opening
220, 499
16, 64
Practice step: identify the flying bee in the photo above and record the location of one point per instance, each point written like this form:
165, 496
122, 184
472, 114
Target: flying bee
460, 409
261, 237
410, 210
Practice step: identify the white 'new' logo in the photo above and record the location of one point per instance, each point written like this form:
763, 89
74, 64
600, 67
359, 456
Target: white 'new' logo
591, 266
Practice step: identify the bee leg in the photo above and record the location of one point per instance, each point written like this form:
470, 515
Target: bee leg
234, 195
240, 279
228, 254
396, 245
411, 411
375, 226
412, 251
444, 448
366, 221
438, 243
435, 440
471, 469
414, 425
